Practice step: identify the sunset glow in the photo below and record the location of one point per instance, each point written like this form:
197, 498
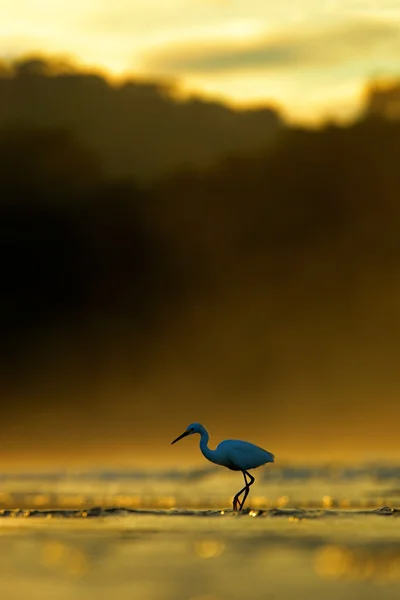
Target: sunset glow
313, 60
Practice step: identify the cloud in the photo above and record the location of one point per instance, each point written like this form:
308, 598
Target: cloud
328, 46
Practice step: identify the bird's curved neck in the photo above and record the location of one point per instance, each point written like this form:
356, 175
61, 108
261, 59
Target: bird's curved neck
207, 452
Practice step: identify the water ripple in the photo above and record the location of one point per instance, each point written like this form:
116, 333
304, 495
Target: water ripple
96, 512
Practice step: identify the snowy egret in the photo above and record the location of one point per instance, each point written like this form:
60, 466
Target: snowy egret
233, 454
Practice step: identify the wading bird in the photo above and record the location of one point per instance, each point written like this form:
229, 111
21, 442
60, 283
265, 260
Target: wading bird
233, 454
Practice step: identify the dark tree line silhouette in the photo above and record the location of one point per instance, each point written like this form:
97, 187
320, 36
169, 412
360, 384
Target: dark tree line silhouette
305, 227
138, 128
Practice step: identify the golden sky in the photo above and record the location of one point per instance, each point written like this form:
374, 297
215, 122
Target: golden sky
311, 57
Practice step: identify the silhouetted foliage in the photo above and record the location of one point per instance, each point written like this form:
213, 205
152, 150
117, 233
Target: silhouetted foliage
304, 230
137, 128
72, 244
383, 99
52, 164
313, 188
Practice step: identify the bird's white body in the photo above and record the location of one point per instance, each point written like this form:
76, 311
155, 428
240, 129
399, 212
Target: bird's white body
236, 455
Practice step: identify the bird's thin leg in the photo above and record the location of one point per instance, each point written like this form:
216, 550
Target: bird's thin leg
247, 488
236, 500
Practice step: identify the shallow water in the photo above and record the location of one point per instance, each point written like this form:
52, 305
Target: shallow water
60, 544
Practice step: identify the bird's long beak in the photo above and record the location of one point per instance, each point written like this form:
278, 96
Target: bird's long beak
184, 434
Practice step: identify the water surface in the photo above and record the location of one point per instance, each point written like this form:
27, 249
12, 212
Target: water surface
171, 535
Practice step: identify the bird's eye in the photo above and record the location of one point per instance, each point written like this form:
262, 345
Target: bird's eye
191, 430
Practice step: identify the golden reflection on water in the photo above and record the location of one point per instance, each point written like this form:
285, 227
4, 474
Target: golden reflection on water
327, 502
209, 548
40, 500
124, 500
205, 597
262, 502
72, 500
154, 500
282, 500
65, 557
340, 562
5, 499
166, 501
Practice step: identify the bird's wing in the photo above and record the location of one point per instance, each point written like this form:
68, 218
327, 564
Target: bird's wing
244, 455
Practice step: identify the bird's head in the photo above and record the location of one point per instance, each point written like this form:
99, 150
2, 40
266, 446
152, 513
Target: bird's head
190, 430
